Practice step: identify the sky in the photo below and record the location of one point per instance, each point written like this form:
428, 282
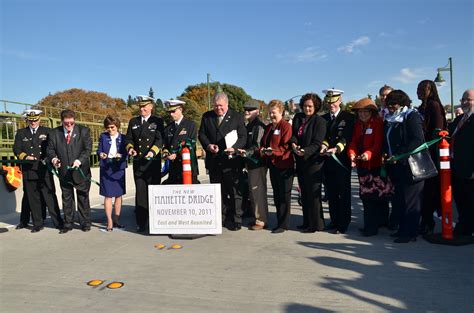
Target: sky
272, 49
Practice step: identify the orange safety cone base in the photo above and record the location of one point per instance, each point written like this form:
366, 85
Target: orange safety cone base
456, 241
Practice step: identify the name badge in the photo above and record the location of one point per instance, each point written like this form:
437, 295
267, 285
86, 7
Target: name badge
183, 132
368, 131
135, 126
276, 132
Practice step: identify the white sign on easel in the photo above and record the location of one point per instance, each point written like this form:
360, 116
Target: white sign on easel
185, 209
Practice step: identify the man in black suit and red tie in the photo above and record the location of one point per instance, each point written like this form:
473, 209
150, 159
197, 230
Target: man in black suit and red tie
179, 130
222, 132
38, 185
69, 149
144, 140
462, 164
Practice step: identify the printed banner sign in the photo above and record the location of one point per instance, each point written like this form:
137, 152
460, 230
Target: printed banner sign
185, 209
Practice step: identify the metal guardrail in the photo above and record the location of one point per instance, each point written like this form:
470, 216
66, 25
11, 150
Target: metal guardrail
11, 122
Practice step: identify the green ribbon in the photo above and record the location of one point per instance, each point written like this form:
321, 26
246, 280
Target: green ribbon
19, 161
422, 147
333, 155
189, 143
83, 175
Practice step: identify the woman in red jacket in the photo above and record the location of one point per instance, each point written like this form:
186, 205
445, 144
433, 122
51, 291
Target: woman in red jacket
277, 154
365, 152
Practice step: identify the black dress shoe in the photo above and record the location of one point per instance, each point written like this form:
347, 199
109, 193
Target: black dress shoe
369, 233
235, 227
65, 230
392, 227
37, 229
395, 234
330, 227
21, 226
362, 229
85, 228
278, 230
309, 230
404, 239
302, 226
141, 229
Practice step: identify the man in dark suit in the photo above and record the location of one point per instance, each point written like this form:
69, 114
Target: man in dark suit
222, 132
69, 149
462, 165
38, 185
340, 125
144, 140
178, 131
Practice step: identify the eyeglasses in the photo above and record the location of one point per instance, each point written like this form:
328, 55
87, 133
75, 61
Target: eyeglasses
69, 123
171, 111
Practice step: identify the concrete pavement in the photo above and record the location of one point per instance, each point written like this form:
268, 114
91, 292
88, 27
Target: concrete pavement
244, 271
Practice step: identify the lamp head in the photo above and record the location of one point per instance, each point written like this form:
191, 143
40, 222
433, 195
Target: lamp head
439, 80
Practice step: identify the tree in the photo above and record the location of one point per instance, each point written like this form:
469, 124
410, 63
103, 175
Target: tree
90, 106
198, 93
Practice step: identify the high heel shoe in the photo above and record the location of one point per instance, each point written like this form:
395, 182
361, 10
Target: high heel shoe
404, 239
117, 225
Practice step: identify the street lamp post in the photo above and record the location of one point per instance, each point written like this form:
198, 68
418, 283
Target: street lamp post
439, 80
208, 92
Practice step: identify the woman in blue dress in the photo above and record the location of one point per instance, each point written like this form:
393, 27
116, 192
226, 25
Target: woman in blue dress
113, 161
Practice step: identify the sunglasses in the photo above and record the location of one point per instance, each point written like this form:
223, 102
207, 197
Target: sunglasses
69, 123
249, 110
171, 111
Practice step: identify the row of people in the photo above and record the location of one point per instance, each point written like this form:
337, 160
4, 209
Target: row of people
316, 144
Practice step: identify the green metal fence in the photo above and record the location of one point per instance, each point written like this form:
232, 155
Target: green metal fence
11, 122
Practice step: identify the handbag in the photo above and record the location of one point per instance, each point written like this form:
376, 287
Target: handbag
373, 186
422, 166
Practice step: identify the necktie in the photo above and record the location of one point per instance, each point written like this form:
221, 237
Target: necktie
68, 137
219, 120
34, 131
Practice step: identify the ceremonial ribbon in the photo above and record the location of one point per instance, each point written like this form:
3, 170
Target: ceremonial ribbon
189, 143
333, 155
83, 175
422, 147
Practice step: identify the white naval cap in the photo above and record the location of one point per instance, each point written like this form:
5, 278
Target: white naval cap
32, 114
173, 104
144, 100
332, 95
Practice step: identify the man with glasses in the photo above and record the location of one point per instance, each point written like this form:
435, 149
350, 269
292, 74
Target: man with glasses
38, 185
462, 165
256, 169
144, 140
69, 149
180, 130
